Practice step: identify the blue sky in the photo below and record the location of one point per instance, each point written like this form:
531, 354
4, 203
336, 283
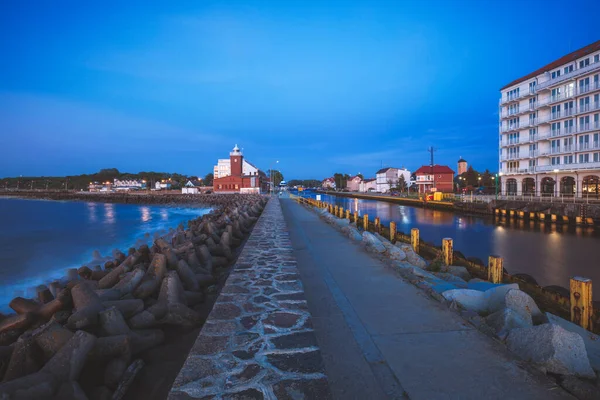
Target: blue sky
322, 87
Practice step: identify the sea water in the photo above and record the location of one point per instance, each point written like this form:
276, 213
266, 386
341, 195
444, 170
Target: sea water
40, 240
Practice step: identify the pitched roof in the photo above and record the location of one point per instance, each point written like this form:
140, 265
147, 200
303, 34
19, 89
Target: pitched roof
369, 180
382, 170
328, 180
462, 160
436, 169
584, 51
354, 177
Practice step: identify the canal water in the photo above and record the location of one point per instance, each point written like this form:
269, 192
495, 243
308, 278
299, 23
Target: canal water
548, 252
40, 239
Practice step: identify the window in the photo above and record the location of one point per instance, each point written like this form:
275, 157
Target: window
596, 157
568, 160
568, 108
555, 160
531, 163
532, 103
584, 142
557, 94
584, 63
568, 125
584, 85
556, 111
532, 134
512, 94
584, 158
584, 104
555, 146
532, 119
597, 58
584, 123
555, 128
532, 88
555, 74
569, 69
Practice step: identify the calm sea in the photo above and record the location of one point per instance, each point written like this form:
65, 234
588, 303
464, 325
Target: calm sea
40, 239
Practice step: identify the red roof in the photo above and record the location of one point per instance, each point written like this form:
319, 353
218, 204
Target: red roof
354, 177
584, 51
437, 169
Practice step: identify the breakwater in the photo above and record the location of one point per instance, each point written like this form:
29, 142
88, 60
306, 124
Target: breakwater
501, 308
88, 332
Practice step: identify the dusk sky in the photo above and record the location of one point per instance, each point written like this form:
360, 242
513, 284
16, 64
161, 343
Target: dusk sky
321, 86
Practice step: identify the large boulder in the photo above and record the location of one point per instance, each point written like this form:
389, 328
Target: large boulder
352, 233
505, 320
455, 280
495, 296
472, 300
395, 253
591, 341
411, 256
552, 348
521, 303
373, 244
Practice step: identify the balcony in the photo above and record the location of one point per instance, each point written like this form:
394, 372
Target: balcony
588, 127
561, 97
562, 150
569, 167
562, 114
521, 110
520, 96
588, 146
571, 75
511, 128
511, 171
592, 87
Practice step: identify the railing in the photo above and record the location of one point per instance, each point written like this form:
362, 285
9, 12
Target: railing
588, 88
565, 77
511, 127
588, 127
588, 146
494, 272
567, 167
561, 97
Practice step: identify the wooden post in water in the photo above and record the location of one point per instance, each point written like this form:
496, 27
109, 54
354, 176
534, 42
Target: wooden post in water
342, 212
447, 251
356, 218
392, 231
495, 269
414, 239
335, 210
377, 225
348, 215
366, 222
581, 302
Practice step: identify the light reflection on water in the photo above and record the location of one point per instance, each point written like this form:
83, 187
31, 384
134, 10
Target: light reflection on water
109, 213
549, 252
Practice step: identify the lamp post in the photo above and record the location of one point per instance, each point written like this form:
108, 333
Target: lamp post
273, 183
498, 175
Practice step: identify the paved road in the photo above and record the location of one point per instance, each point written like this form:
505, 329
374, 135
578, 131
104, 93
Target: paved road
382, 338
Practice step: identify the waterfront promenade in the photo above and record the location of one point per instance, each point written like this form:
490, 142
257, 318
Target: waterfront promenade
382, 338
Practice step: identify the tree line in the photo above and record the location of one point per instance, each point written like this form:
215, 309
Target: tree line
81, 182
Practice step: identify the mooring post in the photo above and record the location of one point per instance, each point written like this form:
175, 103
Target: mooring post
356, 218
581, 302
447, 251
341, 212
495, 269
335, 211
366, 222
377, 225
414, 239
348, 215
392, 231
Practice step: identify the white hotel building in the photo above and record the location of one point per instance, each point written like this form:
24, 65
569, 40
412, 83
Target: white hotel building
550, 128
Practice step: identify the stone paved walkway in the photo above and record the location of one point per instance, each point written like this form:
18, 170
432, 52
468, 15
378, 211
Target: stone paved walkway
258, 341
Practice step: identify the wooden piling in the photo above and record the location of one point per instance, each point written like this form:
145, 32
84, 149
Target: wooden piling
447, 251
335, 210
553, 217
377, 224
348, 215
414, 239
392, 231
581, 302
521, 214
356, 218
532, 215
366, 222
542, 216
578, 220
495, 269
512, 213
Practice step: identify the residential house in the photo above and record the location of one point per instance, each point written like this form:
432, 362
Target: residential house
353, 183
162, 185
387, 178
328, 183
128, 184
436, 178
368, 185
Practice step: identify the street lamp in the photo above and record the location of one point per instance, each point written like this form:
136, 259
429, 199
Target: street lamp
273, 183
497, 183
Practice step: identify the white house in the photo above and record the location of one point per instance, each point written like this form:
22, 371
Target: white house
368, 185
128, 184
388, 178
223, 168
328, 183
162, 185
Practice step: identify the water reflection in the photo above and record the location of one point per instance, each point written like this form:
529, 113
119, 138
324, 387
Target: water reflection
145, 214
109, 213
164, 214
549, 252
91, 212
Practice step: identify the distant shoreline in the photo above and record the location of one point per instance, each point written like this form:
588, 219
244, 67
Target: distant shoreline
152, 198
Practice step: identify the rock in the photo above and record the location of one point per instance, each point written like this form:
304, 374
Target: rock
495, 296
112, 322
342, 222
468, 299
505, 320
372, 243
127, 379
26, 359
521, 303
51, 337
411, 256
395, 253
583, 390
453, 279
481, 285
68, 362
591, 341
87, 305
552, 348
352, 233
461, 272
40, 385
70, 391
128, 308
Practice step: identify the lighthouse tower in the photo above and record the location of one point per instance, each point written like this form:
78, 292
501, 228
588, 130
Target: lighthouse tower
236, 159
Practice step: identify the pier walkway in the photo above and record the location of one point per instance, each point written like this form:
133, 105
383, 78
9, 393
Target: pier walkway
382, 338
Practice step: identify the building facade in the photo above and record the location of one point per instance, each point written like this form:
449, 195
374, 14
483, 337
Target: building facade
462, 166
368, 185
549, 135
387, 178
436, 178
353, 183
238, 180
328, 183
128, 184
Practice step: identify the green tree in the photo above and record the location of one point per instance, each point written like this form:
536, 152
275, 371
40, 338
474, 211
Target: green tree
361, 176
276, 175
401, 185
471, 177
208, 179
